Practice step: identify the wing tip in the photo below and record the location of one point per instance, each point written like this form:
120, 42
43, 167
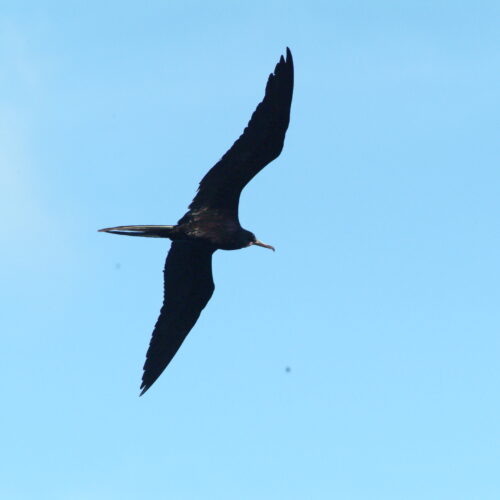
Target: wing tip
285, 64
148, 379
289, 58
284, 68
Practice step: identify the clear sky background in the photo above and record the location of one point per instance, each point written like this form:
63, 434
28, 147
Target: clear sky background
382, 297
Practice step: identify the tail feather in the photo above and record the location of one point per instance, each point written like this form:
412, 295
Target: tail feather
147, 231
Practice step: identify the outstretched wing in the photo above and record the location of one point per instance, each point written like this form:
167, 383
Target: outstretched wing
188, 288
261, 142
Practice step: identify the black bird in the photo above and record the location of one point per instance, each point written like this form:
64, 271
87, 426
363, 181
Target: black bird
211, 222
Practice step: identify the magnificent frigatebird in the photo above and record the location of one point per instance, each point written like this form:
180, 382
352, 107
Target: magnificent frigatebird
211, 222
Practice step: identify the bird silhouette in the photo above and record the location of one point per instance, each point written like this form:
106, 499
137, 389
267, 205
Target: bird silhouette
211, 222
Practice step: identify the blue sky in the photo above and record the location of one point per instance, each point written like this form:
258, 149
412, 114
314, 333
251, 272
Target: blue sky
382, 296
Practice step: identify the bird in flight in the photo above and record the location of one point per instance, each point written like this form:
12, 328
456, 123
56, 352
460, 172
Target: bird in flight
211, 222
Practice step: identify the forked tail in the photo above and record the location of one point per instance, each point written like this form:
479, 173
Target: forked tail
148, 231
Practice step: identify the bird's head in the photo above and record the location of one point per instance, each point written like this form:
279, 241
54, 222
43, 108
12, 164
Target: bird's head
250, 240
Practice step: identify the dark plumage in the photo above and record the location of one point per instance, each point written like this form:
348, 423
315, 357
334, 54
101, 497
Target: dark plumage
212, 223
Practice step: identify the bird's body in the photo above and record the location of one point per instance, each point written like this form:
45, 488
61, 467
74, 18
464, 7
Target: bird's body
211, 222
223, 232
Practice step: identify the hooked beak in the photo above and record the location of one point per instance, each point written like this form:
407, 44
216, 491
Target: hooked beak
260, 244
